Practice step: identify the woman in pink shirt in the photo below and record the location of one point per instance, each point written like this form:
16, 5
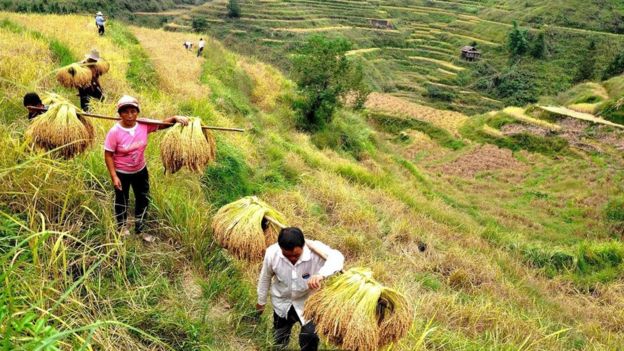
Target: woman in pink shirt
124, 152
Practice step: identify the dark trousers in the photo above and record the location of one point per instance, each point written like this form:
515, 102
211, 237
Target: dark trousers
308, 339
101, 30
199, 51
86, 95
140, 186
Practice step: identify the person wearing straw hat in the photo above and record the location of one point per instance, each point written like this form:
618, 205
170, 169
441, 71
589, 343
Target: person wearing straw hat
292, 269
124, 153
99, 22
93, 90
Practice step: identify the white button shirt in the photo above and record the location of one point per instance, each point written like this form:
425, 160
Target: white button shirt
286, 281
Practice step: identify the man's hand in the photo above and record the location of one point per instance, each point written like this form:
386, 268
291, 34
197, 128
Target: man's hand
259, 308
182, 120
117, 183
315, 281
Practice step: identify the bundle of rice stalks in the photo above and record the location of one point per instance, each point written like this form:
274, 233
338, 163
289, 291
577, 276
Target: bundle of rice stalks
60, 126
74, 76
189, 146
357, 313
101, 66
238, 227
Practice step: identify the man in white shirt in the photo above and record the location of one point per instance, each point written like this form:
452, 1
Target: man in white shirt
200, 46
292, 268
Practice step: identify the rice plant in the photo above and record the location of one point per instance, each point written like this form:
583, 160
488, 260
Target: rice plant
187, 146
356, 312
243, 229
61, 129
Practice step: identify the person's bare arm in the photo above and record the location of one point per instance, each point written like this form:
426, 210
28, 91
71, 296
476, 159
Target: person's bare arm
108, 158
174, 119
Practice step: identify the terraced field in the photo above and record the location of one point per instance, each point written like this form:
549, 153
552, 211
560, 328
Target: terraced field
416, 57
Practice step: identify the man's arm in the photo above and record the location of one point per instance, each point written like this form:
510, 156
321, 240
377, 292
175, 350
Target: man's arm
264, 282
334, 262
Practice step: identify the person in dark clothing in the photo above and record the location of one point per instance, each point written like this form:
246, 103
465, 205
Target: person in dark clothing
93, 90
33, 100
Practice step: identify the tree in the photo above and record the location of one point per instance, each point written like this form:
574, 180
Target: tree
538, 49
234, 10
615, 68
199, 24
517, 41
587, 66
325, 76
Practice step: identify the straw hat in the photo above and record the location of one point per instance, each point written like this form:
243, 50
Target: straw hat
93, 55
99, 13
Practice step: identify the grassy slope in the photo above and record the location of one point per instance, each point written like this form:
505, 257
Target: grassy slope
421, 54
495, 273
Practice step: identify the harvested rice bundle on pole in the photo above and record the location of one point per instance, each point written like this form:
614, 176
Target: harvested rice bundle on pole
243, 229
60, 126
101, 66
189, 146
357, 313
74, 76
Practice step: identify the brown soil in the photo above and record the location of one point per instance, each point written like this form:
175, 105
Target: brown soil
483, 158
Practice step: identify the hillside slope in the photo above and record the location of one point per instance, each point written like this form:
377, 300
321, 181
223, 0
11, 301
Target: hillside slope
502, 241
417, 56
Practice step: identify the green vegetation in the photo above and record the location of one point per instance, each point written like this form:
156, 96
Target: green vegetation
616, 67
324, 77
118, 8
518, 41
234, 10
418, 53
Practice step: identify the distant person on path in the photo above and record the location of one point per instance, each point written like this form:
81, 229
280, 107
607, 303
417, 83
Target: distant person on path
188, 45
124, 154
200, 46
292, 268
93, 90
99, 22
33, 100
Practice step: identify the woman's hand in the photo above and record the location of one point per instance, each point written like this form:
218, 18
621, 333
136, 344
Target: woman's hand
117, 183
182, 120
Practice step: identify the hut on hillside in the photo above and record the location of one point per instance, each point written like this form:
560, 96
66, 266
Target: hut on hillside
470, 53
381, 24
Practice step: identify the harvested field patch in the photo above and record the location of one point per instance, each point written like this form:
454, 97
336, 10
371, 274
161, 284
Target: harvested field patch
519, 114
481, 159
449, 120
562, 111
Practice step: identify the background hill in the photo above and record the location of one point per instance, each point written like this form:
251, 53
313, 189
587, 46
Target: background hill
417, 56
503, 228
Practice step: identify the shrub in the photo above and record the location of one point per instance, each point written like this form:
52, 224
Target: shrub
324, 76
517, 41
234, 10
199, 24
616, 67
